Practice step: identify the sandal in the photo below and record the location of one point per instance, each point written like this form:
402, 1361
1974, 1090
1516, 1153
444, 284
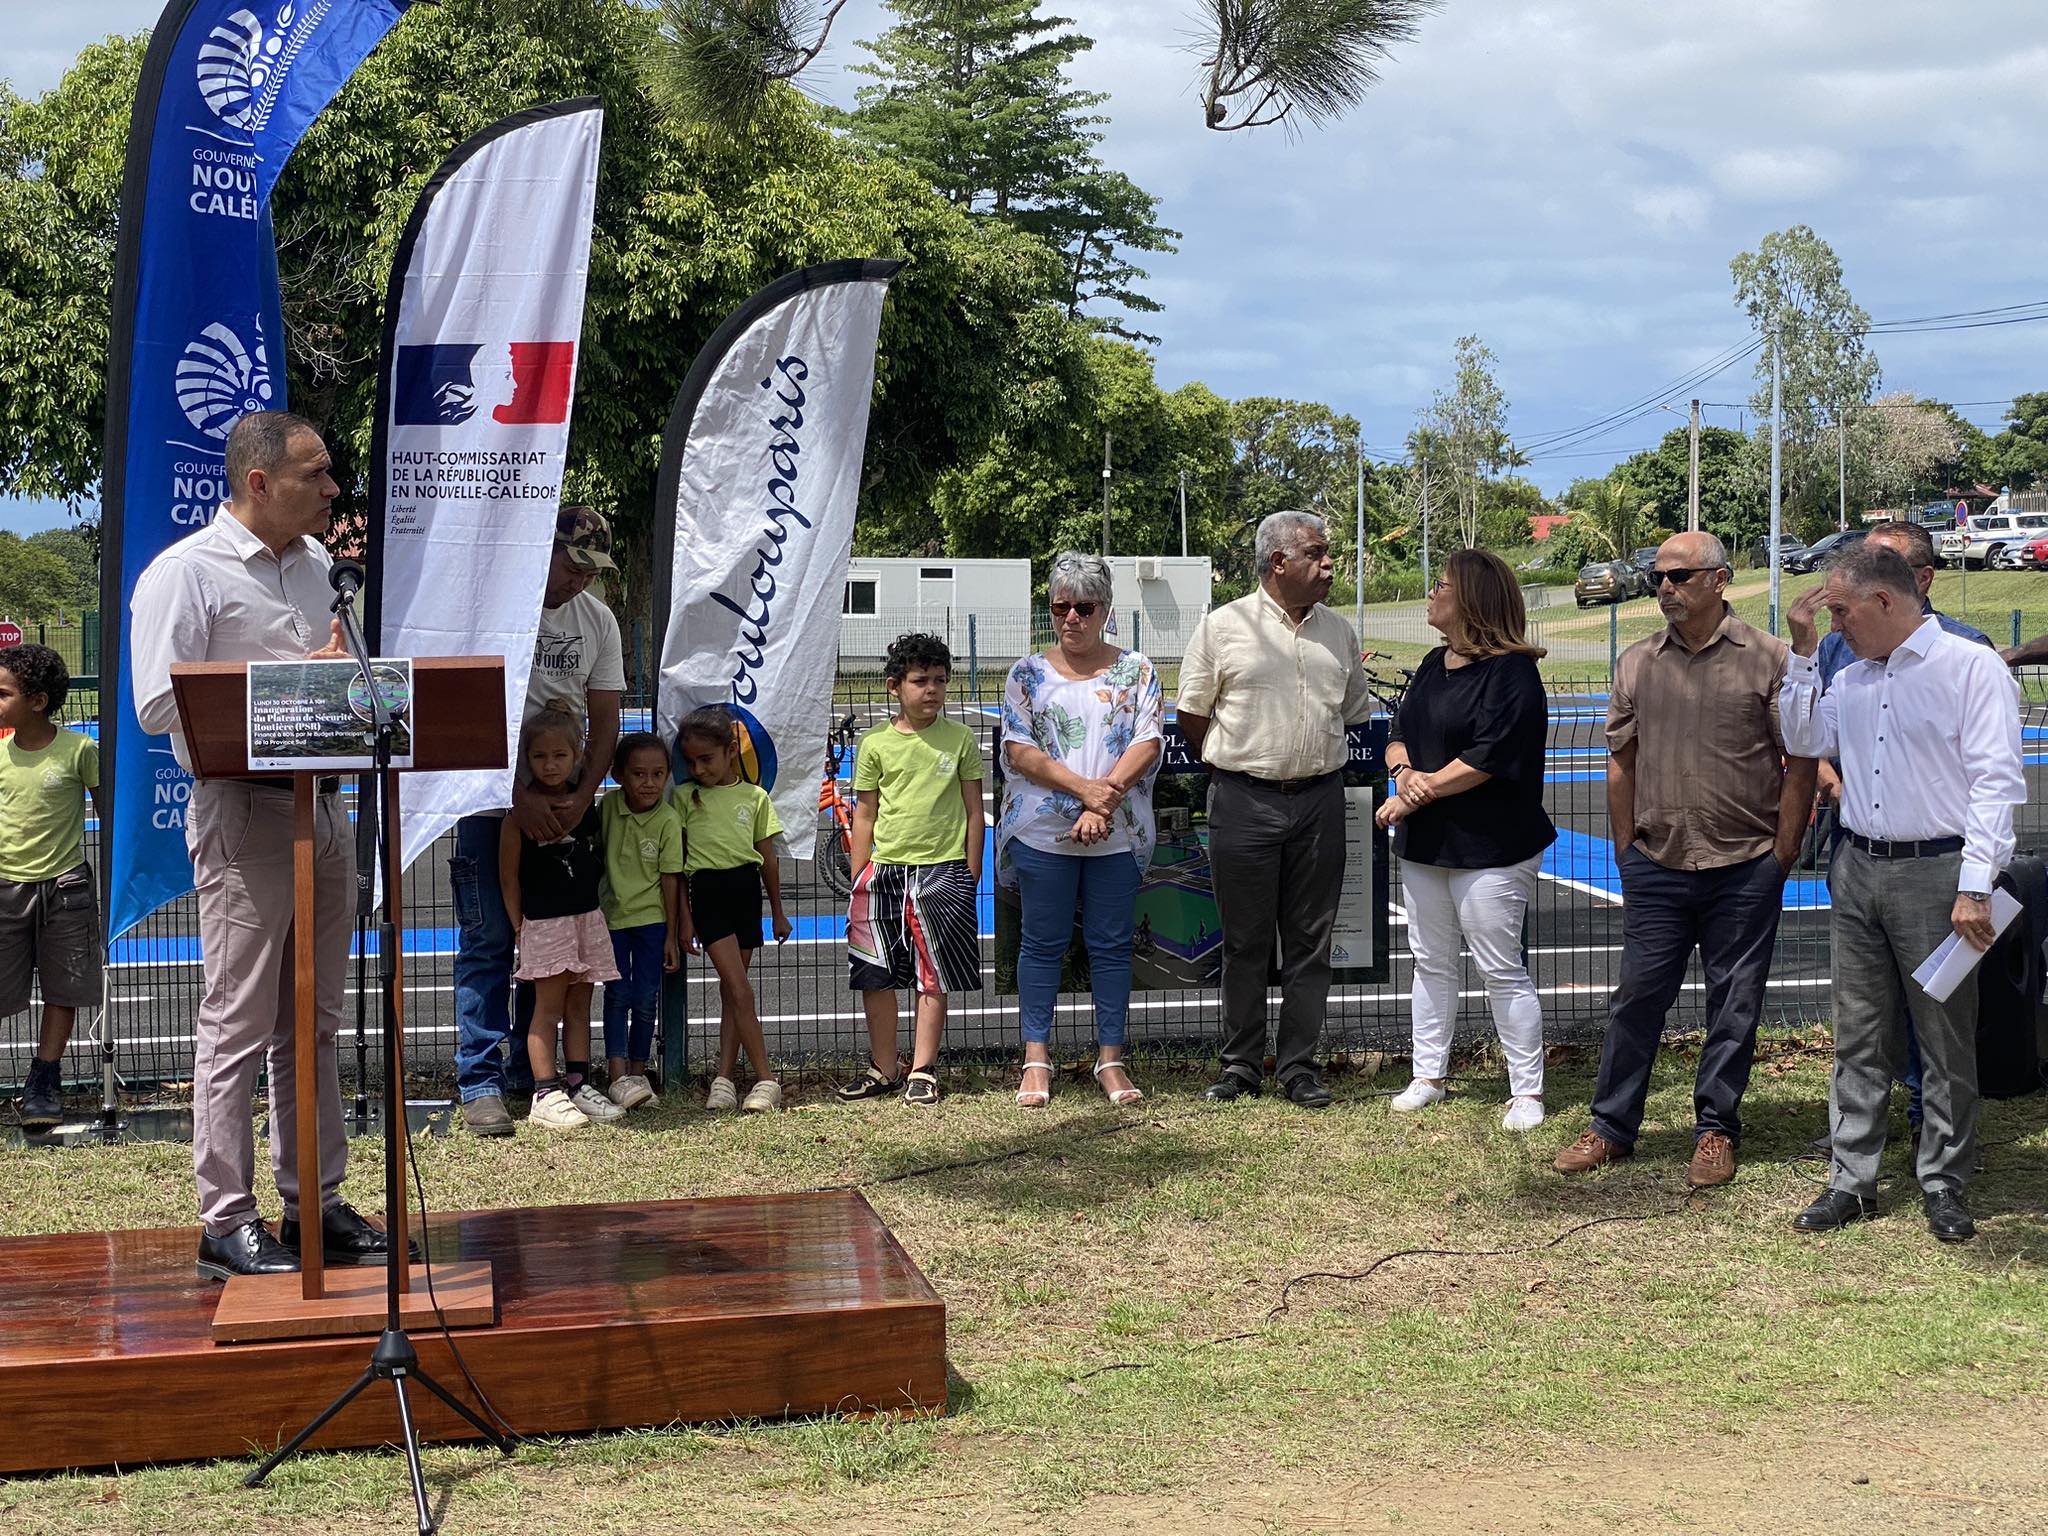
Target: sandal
875, 1085
1037, 1098
921, 1087
1120, 1097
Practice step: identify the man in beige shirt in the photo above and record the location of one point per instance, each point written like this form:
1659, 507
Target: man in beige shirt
252, 586
1268, 687
1707, 817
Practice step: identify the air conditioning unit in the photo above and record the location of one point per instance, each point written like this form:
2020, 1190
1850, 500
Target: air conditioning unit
1151, 568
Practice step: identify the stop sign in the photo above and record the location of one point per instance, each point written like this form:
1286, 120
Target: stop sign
10, 632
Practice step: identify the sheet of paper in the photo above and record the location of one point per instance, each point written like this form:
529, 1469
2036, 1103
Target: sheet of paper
1943, 971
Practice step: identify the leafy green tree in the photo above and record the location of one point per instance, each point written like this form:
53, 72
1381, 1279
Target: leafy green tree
35, 580
1299, 455
1729, 506
1468, 423
77, 553
2022, 448
1792, 289
974, 96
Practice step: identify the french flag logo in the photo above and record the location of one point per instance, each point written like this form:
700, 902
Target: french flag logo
444, 384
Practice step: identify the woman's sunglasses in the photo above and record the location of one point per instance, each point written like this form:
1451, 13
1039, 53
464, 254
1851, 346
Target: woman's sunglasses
1085, 610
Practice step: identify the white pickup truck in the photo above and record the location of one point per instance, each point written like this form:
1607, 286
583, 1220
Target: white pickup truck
1988, 533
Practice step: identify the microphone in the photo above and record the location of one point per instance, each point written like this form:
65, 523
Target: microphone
346, 577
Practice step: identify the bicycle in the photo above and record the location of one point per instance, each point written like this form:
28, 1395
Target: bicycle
1387, 692
835, 811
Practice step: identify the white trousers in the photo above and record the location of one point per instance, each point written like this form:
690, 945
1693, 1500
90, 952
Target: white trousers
1486, 907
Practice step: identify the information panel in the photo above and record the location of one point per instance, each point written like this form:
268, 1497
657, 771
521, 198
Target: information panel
314, 716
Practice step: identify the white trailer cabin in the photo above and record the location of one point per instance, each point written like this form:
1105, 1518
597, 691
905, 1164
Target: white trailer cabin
890, 595
1159, 600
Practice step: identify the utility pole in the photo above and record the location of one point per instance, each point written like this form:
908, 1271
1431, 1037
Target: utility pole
1358, 543
1105, 498
1777, 449
1183, 514
1425, 525
1841, 471
1692, 498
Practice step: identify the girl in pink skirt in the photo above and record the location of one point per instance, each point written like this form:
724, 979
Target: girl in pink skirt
551, 895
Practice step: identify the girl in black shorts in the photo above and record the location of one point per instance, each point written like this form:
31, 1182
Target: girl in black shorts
729, 831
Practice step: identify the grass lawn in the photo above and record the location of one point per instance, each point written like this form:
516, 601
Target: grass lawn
1122, 1361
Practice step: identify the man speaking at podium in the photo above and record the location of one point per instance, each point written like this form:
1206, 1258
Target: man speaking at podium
252, 586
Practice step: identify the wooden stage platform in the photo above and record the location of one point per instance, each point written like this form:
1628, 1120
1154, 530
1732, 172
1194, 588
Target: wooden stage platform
609, 1316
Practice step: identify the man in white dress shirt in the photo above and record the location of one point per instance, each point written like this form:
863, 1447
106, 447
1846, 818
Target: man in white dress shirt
1927, 729
252, 586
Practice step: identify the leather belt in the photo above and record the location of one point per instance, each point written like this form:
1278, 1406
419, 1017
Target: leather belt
331, 785
1926, 848
1284, 786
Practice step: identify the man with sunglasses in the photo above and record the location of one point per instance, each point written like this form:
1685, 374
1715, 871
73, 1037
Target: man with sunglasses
1915, 545
1707, 819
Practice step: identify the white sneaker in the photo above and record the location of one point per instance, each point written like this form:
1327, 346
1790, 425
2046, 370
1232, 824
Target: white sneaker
631, 1090
595, 1105
1524, 1114
554, 1111
722, 1095
764, 1095
1418, 1095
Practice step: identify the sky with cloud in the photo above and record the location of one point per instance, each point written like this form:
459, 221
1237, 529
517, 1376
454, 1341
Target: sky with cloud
1568, 181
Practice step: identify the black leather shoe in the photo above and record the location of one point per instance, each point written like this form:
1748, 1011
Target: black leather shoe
345, 1238
1835, 1210
248, 1250
1307, 1090
1947, 1217
1229, 1088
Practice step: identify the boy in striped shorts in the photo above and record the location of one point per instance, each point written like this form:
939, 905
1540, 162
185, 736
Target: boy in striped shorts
916, 846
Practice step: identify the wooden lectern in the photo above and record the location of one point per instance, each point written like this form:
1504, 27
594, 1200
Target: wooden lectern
457, 722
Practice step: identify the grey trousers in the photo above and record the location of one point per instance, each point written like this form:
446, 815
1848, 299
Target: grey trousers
1889, 914
240, 838
1277, 863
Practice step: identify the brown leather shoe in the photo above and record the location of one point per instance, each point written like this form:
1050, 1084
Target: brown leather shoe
1713, 1161
1590, 1151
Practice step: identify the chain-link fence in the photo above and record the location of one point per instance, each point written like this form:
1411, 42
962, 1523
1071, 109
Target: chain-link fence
814, 1024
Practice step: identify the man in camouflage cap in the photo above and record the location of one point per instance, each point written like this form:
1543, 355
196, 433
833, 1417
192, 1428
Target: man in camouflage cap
577, 659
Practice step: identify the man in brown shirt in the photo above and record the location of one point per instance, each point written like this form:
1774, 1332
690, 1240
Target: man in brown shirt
1707, 818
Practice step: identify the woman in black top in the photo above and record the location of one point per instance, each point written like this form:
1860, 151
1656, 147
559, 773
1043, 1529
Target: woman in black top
1467, 764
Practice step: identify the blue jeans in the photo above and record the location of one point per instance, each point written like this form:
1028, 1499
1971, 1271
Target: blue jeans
484, 1013
636, 995
1104, 890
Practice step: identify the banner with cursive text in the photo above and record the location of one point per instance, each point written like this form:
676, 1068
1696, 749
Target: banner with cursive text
761, 464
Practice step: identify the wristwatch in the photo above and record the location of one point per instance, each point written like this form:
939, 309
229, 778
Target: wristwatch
1982, 898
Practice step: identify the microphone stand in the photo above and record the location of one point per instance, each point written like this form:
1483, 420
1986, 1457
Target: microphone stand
394, 1359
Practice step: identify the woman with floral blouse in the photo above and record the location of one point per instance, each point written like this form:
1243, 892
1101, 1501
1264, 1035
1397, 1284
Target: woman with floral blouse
1080, 744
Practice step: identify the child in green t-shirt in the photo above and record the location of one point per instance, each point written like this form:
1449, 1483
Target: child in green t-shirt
729, 832
642, 834
913, 920
49, 909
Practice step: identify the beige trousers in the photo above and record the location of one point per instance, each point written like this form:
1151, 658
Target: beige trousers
240, 838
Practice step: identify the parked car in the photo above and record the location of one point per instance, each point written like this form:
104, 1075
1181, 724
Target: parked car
1645, 562
1760, 549
1606, 581
2027, 555
1815, 554
1987, 536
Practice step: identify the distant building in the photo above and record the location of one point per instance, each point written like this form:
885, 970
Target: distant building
1543, 524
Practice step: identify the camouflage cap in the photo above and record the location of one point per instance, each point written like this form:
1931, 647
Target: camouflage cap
586, 538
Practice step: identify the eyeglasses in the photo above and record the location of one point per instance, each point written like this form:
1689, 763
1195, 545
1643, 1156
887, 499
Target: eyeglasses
1679, 575
1441, 584
1085, 610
